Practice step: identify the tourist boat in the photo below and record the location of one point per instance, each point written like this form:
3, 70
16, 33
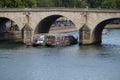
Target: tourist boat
53, 40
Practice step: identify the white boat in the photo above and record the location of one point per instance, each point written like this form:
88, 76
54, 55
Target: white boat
53, 40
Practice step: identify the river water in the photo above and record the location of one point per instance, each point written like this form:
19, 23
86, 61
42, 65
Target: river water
93, 62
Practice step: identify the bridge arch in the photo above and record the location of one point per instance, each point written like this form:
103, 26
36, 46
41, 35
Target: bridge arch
20, 21
97, 32
9, 30
7, 24
44, 25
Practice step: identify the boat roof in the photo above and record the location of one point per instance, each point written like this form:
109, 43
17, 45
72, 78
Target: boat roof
50, 34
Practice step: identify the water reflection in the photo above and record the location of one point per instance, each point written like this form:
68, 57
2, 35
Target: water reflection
11, 45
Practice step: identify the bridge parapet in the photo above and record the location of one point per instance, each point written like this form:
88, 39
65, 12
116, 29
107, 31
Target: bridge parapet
59, 9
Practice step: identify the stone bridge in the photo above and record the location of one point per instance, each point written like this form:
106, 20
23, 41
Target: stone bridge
88, 22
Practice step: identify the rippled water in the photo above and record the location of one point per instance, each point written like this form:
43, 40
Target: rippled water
93, 62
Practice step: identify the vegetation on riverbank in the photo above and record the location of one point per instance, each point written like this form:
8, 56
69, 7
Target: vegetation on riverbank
112, 4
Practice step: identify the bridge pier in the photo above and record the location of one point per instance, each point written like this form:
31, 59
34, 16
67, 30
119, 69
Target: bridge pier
85, 35
26, 33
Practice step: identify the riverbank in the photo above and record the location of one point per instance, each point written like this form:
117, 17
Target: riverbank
71, 29
63, 30
112, 26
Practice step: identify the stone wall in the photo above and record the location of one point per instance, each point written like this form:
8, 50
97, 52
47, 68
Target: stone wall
11, 36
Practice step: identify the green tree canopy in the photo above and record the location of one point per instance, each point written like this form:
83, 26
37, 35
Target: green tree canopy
109, 4
60, 3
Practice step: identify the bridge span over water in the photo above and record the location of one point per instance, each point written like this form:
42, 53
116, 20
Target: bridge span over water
89, 22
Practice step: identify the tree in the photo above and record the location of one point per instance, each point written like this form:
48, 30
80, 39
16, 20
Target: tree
45, 3
81, 3
1, 4
29, 3
118, 4
60, 3
109, 4
18, 3
94, 3
7, 3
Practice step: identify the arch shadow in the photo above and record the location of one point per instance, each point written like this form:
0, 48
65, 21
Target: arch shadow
44, 25
99, 28
8, 24
9, 30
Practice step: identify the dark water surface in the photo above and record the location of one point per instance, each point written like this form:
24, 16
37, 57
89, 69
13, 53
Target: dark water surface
93, 62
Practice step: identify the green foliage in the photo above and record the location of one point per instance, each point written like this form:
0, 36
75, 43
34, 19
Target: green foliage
94, 3
60, 3
118, 4
28, 3
1, 4
109, 4
81, 3
45, 3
